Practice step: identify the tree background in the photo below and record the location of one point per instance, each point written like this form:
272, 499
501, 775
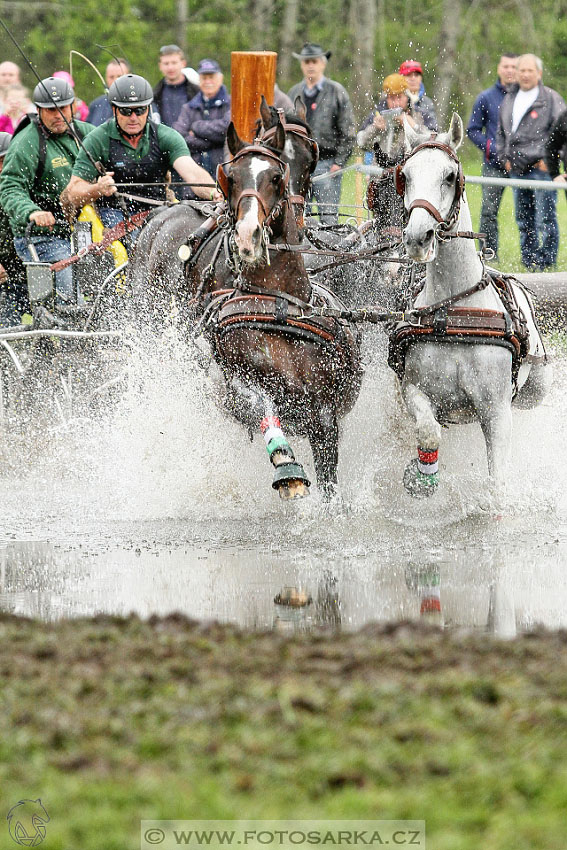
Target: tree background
457, 41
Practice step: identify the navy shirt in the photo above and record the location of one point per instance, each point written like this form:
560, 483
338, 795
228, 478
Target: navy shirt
483, 123
174, 98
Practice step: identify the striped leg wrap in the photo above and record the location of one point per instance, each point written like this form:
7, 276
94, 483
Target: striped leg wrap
274, 436
427, 461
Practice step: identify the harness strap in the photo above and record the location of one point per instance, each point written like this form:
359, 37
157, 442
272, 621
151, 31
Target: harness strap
485, 281
110, 236
421, 203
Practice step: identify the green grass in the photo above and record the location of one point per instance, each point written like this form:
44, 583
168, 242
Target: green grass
112, 721
509, 248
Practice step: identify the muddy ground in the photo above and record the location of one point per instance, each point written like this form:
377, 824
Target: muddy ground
110, 721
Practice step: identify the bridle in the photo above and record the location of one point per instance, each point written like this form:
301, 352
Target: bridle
266, 136
223, 184
444, 224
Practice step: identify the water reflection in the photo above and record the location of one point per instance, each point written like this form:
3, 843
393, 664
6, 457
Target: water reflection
292, 591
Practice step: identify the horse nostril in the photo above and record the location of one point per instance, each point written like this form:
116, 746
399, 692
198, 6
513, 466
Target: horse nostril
427, 237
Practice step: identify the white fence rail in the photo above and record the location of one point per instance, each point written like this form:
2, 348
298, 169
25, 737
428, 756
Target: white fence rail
376, 171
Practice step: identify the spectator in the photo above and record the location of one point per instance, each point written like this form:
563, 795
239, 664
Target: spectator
383, 132
413, 72
556, 147
9, 74
100, 109
482, 130
330, 116
175, 89
16, 106
80, 108
203, 121
527, 114
383, 129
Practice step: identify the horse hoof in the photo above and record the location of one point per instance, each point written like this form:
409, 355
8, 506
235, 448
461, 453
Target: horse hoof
417, 484
295, 489
294, 597
291, 481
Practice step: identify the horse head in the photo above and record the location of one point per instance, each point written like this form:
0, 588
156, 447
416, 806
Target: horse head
431, 182
255, 184
301, 151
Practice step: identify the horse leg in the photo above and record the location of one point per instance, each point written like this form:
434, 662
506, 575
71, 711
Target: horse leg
421, 475
290, 479
252, 407
497, 429
323, 436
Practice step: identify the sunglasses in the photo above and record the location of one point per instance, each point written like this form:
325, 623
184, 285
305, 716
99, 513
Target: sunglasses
128, 110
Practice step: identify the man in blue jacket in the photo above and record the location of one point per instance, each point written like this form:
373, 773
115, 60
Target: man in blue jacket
482, 131
203, 121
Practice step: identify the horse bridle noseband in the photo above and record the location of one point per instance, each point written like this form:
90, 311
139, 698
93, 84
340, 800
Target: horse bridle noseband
445, 224
258, 150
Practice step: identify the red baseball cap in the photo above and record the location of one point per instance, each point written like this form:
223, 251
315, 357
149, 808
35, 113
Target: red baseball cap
409, 66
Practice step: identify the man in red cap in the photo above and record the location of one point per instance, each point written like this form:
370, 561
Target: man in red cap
413, 72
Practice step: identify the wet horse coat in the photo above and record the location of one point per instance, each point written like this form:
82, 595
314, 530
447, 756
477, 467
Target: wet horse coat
468, 376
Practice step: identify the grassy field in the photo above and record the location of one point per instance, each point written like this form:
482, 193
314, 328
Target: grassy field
111, 721
510, 260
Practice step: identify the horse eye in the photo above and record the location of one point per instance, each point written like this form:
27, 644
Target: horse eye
276, 179
451, 177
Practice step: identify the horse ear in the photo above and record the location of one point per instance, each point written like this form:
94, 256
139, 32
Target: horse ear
233, 140
265, 113
278, 142
300, 109
411, 138
456, 132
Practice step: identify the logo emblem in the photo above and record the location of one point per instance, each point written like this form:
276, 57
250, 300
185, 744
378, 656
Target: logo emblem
26, 822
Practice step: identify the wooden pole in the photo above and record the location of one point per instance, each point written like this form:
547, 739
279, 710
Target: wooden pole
253, 74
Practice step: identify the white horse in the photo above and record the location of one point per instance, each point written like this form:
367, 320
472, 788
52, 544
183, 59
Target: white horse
465, 359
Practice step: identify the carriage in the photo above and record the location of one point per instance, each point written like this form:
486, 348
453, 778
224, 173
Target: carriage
67, 358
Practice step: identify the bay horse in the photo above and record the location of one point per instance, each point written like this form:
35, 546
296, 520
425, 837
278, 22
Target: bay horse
156, 272
471, 344
280, 363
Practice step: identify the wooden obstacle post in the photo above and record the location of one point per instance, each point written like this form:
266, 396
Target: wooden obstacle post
253, 74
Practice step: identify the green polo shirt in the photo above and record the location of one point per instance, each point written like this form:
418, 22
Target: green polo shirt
97, 143
21, 194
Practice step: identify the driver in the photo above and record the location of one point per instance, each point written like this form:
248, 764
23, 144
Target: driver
37, 167
133, 149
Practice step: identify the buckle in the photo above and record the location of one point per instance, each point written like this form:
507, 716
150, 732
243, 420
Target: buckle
413, 318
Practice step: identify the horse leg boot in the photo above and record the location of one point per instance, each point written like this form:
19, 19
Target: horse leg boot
421, 475
290, 479
323, 436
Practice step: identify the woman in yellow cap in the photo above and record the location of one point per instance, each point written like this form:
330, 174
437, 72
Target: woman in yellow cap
382, 130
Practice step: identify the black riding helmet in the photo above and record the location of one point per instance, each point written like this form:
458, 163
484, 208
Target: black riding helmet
5, 139
130, 90
53, 92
